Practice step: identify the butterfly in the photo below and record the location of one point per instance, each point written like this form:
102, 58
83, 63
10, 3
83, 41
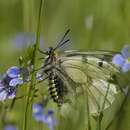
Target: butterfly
74, 73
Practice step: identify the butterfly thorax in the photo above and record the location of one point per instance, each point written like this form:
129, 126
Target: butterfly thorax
51, 58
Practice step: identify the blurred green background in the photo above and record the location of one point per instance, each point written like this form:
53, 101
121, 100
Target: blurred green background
94, 24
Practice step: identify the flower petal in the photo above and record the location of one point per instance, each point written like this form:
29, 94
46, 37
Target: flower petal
38, 111
39, 77
10, 127
49, 119
11, 96
37, 108
50, 112
118, 60
13, 72
38, 117
126, 51
15, 82
3, 95
126, 67
1, 86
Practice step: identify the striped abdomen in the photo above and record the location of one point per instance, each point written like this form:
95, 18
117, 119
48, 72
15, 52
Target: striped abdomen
55, 89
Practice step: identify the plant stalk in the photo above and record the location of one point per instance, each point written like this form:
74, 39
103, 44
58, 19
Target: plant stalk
28, 107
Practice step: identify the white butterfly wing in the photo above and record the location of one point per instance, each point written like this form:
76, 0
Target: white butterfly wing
90, 73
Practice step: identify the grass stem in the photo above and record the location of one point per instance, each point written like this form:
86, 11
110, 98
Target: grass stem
28, 107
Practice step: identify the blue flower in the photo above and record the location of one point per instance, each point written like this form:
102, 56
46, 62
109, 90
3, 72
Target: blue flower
18, 75
24, 39
50, 120
41, 116
15, 74
11, 80
38, 111
6, 91
10, 127
122, 60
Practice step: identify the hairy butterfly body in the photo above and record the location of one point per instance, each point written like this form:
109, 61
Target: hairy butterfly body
55, 86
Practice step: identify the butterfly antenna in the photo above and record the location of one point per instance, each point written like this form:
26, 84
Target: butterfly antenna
42, 52
41, 58
61, 41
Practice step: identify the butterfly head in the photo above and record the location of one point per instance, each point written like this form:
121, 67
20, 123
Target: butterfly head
52, 54
50, 50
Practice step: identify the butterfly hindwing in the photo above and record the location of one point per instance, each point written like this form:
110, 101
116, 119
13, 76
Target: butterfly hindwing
90, 73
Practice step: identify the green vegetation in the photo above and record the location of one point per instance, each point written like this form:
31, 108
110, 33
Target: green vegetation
94, 25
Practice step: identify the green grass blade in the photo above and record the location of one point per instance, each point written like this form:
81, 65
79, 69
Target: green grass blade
28, 107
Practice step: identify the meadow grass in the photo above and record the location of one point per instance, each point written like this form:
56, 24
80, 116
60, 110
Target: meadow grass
95, 25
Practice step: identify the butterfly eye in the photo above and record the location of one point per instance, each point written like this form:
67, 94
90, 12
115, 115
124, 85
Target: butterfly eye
49, 50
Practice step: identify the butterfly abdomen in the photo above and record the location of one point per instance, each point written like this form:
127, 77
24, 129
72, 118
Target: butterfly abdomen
54, 88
